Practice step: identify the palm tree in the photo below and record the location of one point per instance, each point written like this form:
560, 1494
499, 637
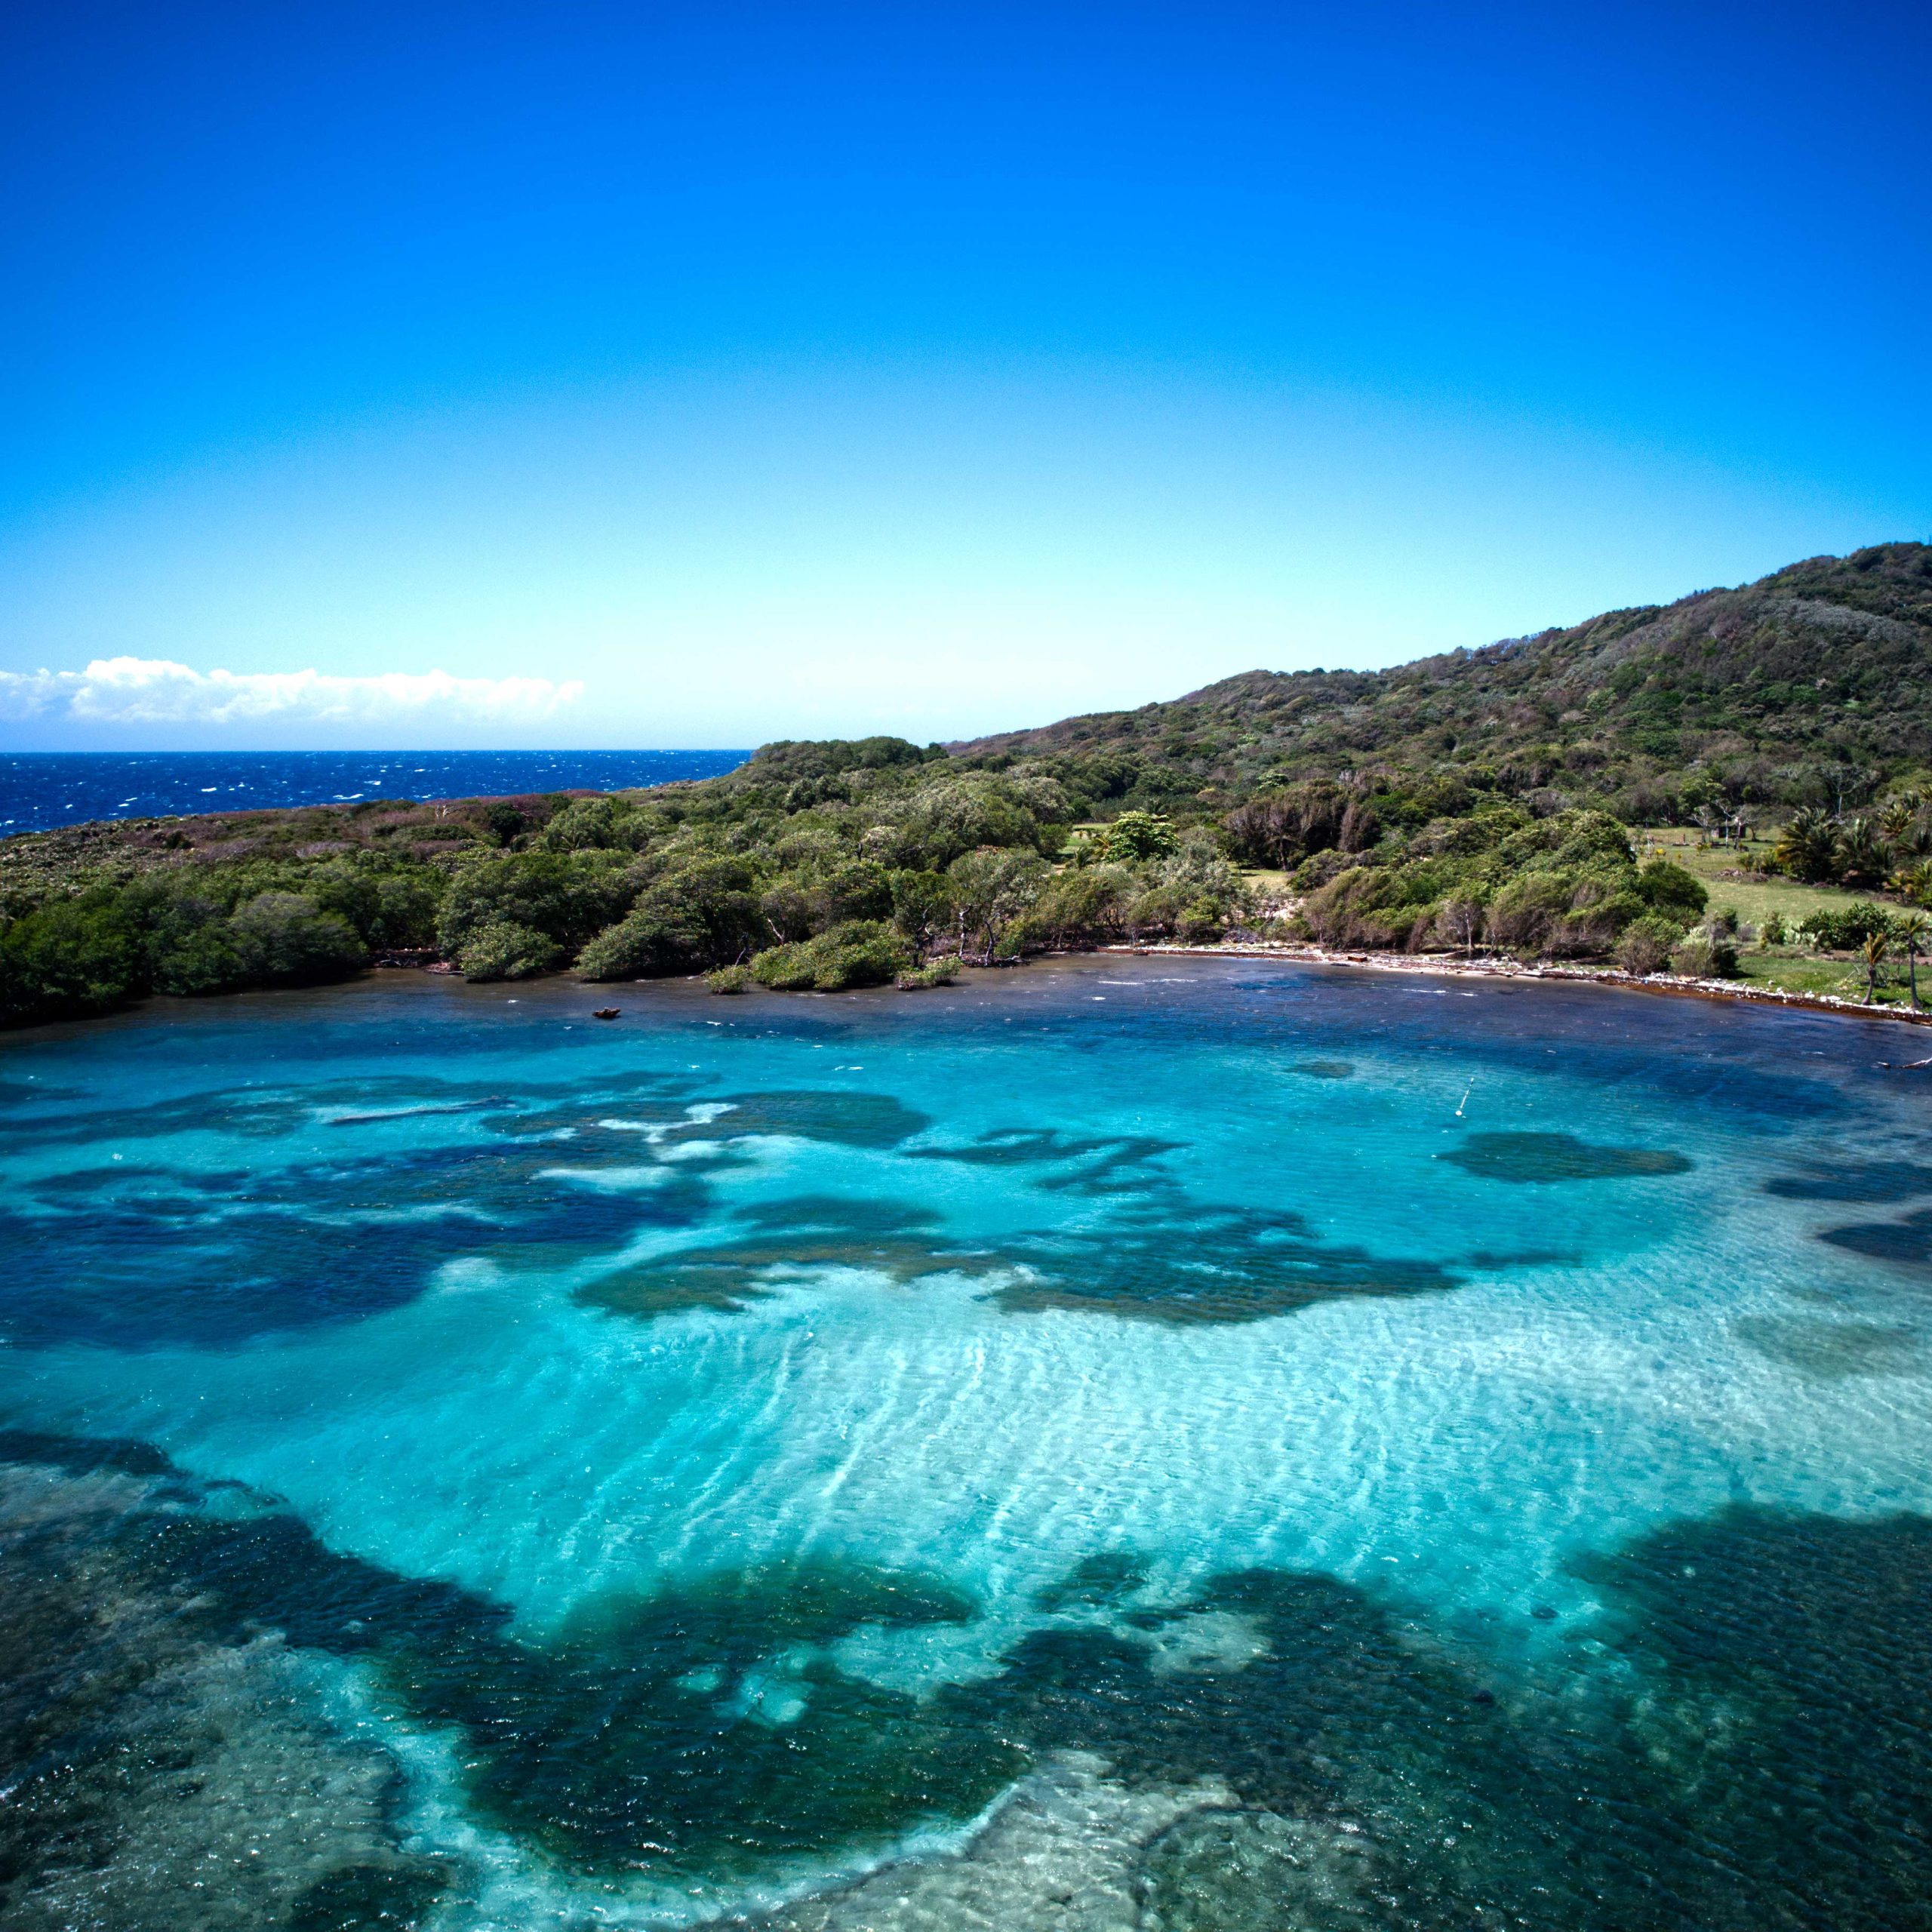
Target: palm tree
1808, 846
1912, 931
1862, 858
1873, 952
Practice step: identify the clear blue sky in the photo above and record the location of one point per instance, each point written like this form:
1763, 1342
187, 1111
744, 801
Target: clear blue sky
787, 370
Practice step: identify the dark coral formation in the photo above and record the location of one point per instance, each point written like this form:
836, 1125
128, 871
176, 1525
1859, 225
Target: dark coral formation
1177, 1261
1906, 1242
1536, 1158
1761, 1754
1861, 1181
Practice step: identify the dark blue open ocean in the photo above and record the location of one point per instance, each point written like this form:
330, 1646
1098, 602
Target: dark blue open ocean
39, 789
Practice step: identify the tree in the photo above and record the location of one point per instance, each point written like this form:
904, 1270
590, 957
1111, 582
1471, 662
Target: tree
1911, 930
922, 906
502, 949
285, 938
1137, 836
1645, 946
991, 889
504, 820
1460, 922
75, 955
567, 896
1872, 952
1862, 857
697, 916
1841, 780
1807, 846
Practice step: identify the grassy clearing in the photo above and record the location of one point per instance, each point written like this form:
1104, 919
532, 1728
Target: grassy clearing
1734, 887
1791, 969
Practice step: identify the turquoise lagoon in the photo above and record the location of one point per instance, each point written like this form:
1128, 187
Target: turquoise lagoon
1118, 1444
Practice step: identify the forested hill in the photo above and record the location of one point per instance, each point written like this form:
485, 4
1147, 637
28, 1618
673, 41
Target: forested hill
1812, 685
1485, 799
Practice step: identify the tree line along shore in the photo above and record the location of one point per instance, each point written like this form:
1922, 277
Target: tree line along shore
833, 865
1504, 802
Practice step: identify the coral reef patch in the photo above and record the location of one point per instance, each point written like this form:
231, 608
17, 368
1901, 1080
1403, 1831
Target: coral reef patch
1535, 1158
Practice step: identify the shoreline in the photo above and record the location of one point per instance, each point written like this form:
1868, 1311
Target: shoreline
422, 964
1669, 984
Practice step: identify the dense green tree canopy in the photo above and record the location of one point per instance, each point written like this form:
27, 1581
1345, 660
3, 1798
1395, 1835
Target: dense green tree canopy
1486, 797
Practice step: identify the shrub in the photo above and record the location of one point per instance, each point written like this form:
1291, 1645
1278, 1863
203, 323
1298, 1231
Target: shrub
504, 950
661, 937
729, 979
1772, 932
187, 955
941, 972
75, 955
1201, 920
1913, 883
1645, 946
285, 938
1323, 868
1525, 908
863, 952
1668, 890
1833, 929
1706, 955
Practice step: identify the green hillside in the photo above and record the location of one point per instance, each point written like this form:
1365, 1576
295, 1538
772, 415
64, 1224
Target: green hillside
1493, 800
1812, 686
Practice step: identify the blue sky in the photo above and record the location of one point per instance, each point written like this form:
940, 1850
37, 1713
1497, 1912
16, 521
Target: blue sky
727, 373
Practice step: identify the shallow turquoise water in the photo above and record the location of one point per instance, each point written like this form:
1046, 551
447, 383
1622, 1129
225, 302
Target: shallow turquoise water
1109, 1444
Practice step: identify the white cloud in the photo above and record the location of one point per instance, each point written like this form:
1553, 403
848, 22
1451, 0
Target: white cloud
152, 690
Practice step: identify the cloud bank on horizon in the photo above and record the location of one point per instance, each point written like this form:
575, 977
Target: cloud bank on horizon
145, 692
